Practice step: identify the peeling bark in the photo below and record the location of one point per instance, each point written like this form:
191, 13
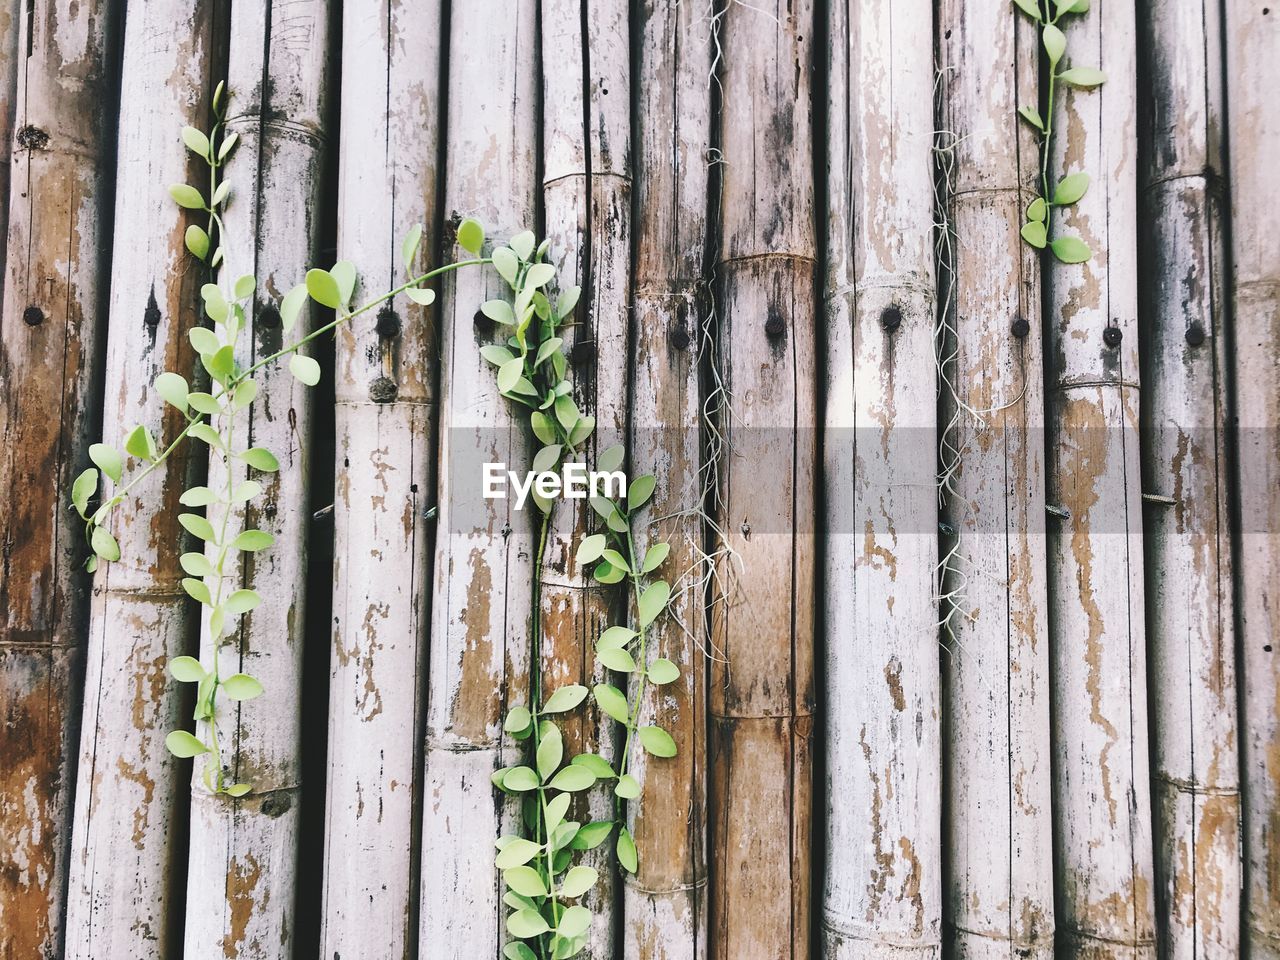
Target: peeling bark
131, 794
54, 299
762, 697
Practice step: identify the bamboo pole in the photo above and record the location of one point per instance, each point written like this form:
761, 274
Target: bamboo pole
883, 881
762, 697
665, 903
54, 295
1189, 543
484, 552
242, 872
999, 827
131, 794
586, 189
385, 386
1253, 74
1102, 806
10, 21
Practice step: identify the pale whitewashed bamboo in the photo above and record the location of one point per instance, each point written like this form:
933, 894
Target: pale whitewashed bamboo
999, 826
131, 794
762, 697
1189, 542
1102, 806
10, 20
884, 877
586, 169
1253, 76
665, 903
385, 425
242, 870
54, 299
479, 655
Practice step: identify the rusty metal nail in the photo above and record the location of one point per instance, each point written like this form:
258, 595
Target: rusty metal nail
1020, 327
1112, 336
382, 390
891, 317
269, 316
775, 326
388, 324
679, 338
33, 316
1195, 334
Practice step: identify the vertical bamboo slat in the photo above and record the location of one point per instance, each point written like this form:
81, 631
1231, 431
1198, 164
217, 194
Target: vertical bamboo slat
883, 877
1102, 806
386, 425
586, 175
762, 696
1190, 604
131, 794
242, 874
1253, 76
10, 21
54, 295
998, 826
480, 616
665, 903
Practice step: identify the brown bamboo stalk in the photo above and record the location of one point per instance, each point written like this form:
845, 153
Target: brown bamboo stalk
10, 21
999, 828
1252, 77
665, 903
1102, 806
242, 875
884, 878
484, 550
1189, 543
761, 699
54, 298
586, 191
386, 425
131, 794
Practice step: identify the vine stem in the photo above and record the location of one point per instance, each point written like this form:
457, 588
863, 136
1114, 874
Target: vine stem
633, 713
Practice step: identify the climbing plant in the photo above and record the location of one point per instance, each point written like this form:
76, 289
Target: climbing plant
542, 882
1038, 229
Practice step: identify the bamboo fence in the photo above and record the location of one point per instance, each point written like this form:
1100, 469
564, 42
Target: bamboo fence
976, 595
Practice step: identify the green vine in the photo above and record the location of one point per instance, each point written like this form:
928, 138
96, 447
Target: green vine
1037, 231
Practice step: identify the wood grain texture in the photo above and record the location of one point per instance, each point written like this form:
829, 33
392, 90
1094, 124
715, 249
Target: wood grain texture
244, 852
762, 695
1189, 543
1253, 73
385, 475
665, 902
998, 827
50, 378
131, 794
1102, 806
480, 618
884, 766
10, 22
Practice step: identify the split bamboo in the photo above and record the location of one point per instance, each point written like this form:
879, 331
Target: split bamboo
665, 903
385, 472
50, 374
131, 794
762, 694
884, 877
586, 191
1253, 76
999, 828
479, 652
1190, 603
10, 21
1102, 805
243, 864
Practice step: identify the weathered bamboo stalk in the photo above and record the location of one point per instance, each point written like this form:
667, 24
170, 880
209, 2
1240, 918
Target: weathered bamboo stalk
131, 794
242, 871
884, 877
586, 189
10, 21
1189, 542
484, 553
999, 826
1253, 75
1102, 806
386, 427
54, 299
665, 903
762, 696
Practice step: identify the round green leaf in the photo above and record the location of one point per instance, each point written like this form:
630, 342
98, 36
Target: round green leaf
626, 850
291, 305
597, 764
323, 288
518, 720
186, 669
616, 658
526, 924
663, 671
607, 573
655, 557
652, 602
104, 545
1070, 249
611, 459
590, 549
496, 355
241, 686
108, 460
196, 141
1055, 43
565, 698
1084, 77
640, 491
470, 235
616, 637
83, 489
260, 458
657, 741
344, 274
612, 701
197, 591
539, 275
509, 374
305, 369
197, 497
185, 195
555, 812
1037, 210
574, 921
577, 882
197, 526
628, 788
517, 852
550, 753
237, 789
520, 779
245, 286
522, 243
592, 835
1070, 188
173, 388
242, 601
525, 881
499, 311
409, 247
515, 950
197, 241
1034, 233
573, 778
253, 540
182, 744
